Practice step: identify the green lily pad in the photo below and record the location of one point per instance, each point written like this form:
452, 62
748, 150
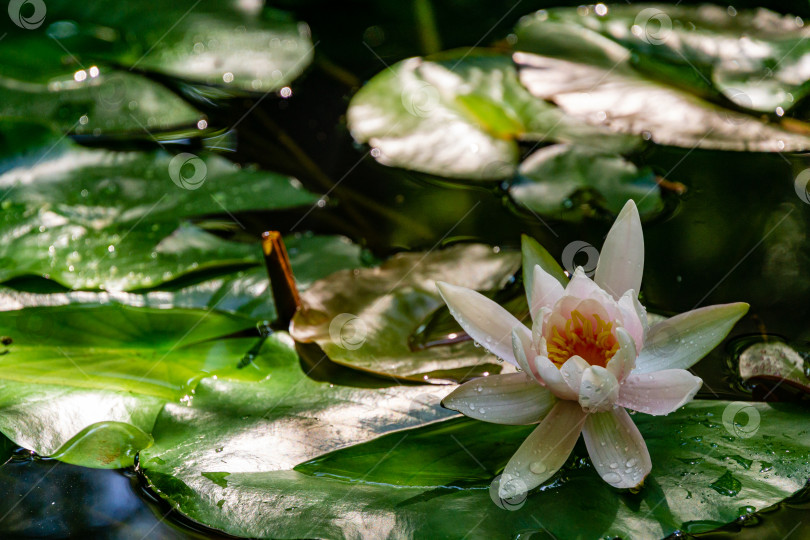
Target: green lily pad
241, 46
232, 430
85, 383
40, 81
600, 84
110, 445
246, 292
756, 59
435, 480
460, 115
364, 318
565, 181
777, 362
100, 219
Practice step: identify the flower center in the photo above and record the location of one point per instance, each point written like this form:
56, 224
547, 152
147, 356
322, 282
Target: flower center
595, 343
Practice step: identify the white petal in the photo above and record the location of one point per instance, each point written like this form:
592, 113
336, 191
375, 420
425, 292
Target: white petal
658, 393
684, 339
617, 449
553, 378
599, 389
514, 398
634, 317
621, 262
571, 372
485, 321
624, 360
581, 286
546, 290
536, 255
544, 451
519, 351
538, 341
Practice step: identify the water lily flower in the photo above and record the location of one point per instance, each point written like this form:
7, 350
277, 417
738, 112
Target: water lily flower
588, 357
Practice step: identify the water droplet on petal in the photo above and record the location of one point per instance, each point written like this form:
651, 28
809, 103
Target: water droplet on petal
538, 467
612, 478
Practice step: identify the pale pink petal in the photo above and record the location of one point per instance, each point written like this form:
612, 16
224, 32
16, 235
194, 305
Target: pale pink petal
598, 390
616, 448
581, 286
546, 291
544, 451
624, 360
522, 360
538, 341
513, 398
621, 262
634, 317
571, 372
553, 378
486, 322
658, 393
679, 342
562, 312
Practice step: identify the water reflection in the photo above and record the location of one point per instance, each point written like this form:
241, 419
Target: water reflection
50, 499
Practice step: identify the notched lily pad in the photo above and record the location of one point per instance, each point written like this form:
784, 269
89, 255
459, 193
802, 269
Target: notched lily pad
434, 480
606, 88
775, 362
246, 292
100, 219
566, 182
363, 318
85, 383
756, 59
460, 114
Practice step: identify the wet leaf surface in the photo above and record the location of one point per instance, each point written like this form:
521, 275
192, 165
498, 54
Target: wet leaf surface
595, 79
246, 292
101, 219
460, 115
363, 319
435, 481
552, 179
87, 382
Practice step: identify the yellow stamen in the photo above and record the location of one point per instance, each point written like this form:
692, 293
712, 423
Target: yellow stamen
580, 338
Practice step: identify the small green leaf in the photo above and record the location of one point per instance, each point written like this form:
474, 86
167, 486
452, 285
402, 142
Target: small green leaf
567, 182
108, 445
536, 255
